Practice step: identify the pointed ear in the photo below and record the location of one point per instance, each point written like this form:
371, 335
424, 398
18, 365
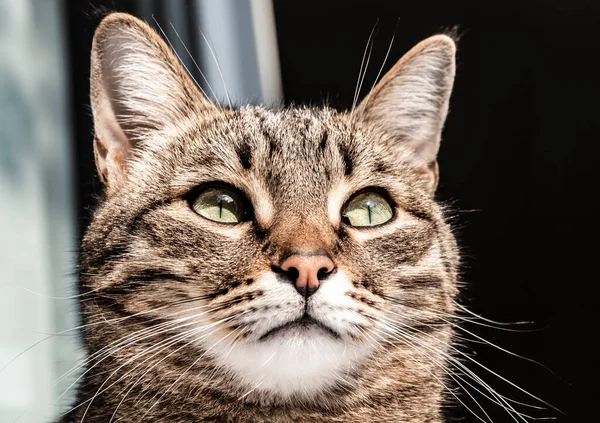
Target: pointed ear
137, 87
410, 103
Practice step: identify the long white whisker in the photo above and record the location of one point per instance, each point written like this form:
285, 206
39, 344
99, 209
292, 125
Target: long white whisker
251, 390
503, 349
269, 359
156, 364
444, 385
100, 390
218, 67
410, 343
177, 54
466, 310
50, 297
493, 324
366, 101
495, 346
186, 371
195, 63
365, 71
468, 371
71, 330
451, 359
360, 72
406, 337
172, 339
128, 340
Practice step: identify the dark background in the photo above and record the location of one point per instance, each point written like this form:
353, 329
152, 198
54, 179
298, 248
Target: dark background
517, 164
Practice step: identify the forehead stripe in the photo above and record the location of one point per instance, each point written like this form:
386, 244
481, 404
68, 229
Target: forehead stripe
323, 143
244, 153
347, 159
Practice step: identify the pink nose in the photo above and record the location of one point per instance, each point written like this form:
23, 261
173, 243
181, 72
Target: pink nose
306, 270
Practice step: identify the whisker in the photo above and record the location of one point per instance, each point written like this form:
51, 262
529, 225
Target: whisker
505, 350
195, 63
98, 393
210, 377
153, 332
450, 359
130, 339
49, 297
466, 310
406, 337
269, 359
483, 340
154, 366
214, 56
137, 336
364, 72
177, 54
360, 72
464, 319
476, 378
119, 319
184, 373
19, 417
251, 390
448, 388
366, 101
100, 390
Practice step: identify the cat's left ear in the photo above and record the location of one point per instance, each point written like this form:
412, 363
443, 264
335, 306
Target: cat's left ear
410, 104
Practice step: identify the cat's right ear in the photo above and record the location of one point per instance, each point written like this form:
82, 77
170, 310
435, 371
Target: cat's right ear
137, 88
410, 104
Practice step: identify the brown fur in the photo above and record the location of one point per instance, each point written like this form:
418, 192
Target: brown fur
147, 256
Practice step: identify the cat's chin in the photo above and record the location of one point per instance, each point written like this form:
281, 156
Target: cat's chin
299, 360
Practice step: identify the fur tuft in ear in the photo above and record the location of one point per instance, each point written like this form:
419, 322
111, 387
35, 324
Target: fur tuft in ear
410, 103
137, 87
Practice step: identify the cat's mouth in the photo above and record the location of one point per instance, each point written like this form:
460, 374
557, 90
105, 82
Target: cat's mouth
304, 324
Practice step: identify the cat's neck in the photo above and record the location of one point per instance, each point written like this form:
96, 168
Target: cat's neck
417, 405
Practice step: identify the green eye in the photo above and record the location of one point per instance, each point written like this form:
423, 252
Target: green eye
220, 205
367, 209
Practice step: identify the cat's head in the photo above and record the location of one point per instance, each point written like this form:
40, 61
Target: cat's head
282, 251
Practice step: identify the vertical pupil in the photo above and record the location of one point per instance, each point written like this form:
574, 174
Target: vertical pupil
369, 211
220, 208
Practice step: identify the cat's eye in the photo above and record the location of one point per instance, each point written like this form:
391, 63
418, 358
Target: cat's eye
367, 209
220, 205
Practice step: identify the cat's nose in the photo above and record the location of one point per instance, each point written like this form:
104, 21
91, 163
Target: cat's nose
306, 271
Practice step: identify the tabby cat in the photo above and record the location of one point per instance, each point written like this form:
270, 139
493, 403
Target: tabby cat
262, 265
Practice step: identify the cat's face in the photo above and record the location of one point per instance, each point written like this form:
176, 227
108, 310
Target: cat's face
280, 250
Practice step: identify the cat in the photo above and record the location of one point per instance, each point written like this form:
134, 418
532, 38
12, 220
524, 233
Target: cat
264, 265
